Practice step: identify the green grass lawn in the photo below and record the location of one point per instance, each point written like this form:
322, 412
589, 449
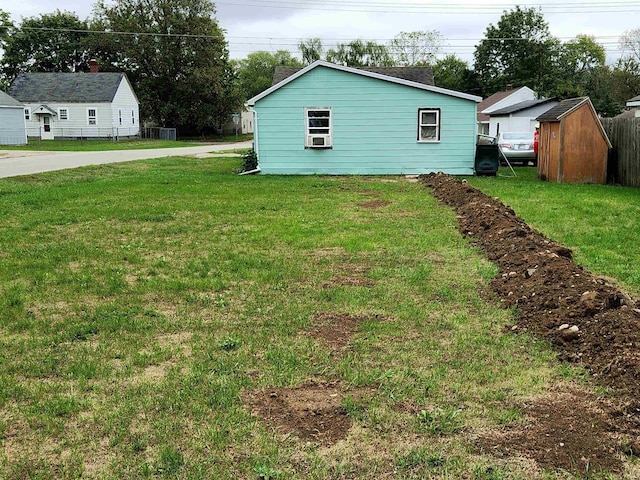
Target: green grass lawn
141, 302
600, 223
97, 145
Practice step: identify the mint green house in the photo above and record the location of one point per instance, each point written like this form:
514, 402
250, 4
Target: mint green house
331, 119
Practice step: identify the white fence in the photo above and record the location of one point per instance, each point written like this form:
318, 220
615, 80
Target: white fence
89, 132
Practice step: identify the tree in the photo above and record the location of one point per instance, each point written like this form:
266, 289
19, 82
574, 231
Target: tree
176, 56
630, 44
49, 43
415, 48
453, 73
255, 73
311, 50
358, 53
518, 51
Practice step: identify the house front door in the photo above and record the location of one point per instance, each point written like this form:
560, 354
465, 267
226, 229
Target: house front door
46, 132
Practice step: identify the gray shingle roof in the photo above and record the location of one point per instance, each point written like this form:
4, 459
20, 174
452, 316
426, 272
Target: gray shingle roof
554, 114
422, 75
8, 101
66, 87
521, 106
634, 99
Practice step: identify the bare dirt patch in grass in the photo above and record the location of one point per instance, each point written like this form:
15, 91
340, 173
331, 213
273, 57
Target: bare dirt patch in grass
311, 412
374, 204
565, 429
351, 275
336, 329
589, 322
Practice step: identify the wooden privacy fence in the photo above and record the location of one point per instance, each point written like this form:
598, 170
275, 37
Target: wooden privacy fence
624, 159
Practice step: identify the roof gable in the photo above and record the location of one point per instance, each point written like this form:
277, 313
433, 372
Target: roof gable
66, 87
413, 74
566, 107
8, 101
364, 73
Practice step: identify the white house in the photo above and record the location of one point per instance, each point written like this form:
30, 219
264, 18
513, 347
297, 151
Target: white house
520, 117
12, 124
77, 105
500, 100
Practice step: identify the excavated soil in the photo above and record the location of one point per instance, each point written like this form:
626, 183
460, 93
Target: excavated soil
589, 321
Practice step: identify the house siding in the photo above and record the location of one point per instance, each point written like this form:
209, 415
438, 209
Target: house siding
126, 101
13, 126
522, 121
374, 128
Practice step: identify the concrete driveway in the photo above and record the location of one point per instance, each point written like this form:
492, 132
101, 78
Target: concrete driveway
14, 163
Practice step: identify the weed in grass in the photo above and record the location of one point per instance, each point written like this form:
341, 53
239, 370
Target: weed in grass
265, 472
229, 344
442, 421
170, 460
421, 456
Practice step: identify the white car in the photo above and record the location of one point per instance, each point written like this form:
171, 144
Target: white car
517, 147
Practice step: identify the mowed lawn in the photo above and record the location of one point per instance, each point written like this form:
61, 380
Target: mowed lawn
142, 303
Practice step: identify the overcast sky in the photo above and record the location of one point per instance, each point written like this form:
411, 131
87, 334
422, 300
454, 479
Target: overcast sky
272, 25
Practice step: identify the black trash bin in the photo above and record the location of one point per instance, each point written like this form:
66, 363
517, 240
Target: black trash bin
487, 159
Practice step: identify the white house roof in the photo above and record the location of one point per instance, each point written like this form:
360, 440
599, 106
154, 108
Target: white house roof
8, 101
364, 73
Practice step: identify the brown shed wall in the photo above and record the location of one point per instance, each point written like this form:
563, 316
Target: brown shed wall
549, 151
583, 150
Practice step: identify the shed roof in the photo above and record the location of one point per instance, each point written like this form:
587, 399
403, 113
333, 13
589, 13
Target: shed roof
66, 87
413, 74
634, 102
556, 113
518, 107
364, 73
8, 101
565, 107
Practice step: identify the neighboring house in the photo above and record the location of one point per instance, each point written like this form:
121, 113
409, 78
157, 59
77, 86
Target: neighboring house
12, 124
573, 144
520, 117
332, 119
77, 105
246, 121
500, 100
634, 105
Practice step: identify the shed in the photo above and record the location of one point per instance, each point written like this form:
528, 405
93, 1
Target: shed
573, 145
12, 123
332, 119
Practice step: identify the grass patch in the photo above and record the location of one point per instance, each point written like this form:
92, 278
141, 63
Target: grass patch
598, 222
141, 301
60, 145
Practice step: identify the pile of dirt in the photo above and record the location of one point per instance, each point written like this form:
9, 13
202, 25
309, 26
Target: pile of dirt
589, 321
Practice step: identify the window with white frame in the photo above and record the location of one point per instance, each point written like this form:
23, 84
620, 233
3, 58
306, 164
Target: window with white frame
133, 117
317, 127
429, 125
63, 113
92, 116
27, 113
119, 116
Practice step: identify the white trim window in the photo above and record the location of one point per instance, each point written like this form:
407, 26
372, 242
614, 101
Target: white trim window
27, 113
429, 125
133, 117
318, 126
63, 113
92, 116
120, 116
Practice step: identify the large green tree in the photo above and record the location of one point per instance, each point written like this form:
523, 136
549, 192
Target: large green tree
176, 56
52, 42
311, 50
454, 73
415, 48
519, 50
255, 72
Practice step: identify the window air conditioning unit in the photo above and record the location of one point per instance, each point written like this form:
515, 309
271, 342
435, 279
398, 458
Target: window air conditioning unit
318, 141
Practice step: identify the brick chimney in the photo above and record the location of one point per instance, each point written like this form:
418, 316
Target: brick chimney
509, 86
93, 65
